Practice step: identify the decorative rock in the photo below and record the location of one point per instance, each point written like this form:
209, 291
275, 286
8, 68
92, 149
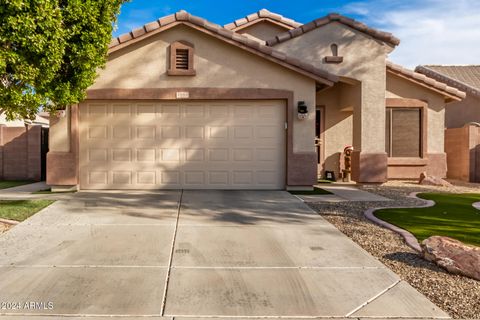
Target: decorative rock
453, 255
433, 181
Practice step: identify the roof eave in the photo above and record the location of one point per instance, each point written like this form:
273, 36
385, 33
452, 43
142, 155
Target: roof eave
229, 36
447, 96
460, 85
254, 22
385, 37
262, 14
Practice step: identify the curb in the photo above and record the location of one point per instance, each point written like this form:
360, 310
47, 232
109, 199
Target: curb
9, 222
409, 238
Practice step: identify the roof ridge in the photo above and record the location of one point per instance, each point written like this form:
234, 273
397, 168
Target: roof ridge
185, 17
262, 14
448, 79
335, 17
449, 65
425, 79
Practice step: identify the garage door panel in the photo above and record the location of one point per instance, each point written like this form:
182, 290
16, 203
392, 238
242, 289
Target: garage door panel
196, 145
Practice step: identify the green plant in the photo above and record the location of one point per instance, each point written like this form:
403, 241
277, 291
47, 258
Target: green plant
50, 51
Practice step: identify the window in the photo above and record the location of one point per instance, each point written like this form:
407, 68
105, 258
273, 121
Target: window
404, 132
181, 59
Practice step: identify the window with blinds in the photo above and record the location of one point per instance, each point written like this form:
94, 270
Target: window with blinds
404, 132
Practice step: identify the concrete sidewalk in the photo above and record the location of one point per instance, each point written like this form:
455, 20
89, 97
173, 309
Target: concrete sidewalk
26, 188
342, 193
217, 254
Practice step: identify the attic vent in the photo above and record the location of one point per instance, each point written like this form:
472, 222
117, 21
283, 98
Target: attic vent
181, 59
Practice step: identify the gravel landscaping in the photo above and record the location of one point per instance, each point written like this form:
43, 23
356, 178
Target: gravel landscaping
457, 295
4, 227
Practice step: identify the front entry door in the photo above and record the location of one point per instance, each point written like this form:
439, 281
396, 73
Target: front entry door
319, 139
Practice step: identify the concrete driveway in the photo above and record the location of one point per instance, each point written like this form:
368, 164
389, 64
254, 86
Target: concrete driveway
194, 254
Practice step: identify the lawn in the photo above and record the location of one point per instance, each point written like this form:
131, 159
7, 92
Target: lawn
49, 191
315, 191
20, 210
452, 216
11, 184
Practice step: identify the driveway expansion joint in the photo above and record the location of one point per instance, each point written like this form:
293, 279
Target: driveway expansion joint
373, 299
170, 259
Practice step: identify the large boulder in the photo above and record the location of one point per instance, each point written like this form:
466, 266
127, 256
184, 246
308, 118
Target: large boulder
433, 181
453, 255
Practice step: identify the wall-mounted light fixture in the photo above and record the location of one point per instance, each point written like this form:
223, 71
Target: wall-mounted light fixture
302, 110
61, 113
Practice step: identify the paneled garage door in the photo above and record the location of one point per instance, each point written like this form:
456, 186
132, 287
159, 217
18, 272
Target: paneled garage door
191, 145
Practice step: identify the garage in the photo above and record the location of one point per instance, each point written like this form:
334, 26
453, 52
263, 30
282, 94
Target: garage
182, 144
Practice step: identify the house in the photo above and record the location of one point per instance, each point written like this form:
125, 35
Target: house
261, 103
23, 148
462, 119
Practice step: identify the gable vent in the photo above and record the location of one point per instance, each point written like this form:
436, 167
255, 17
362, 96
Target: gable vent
181, 61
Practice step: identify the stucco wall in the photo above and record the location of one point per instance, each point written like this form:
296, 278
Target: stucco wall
463, 150
59, 133
263, 30
401, 88
338, 103
219, 65
364, 60
457, 114
14, 123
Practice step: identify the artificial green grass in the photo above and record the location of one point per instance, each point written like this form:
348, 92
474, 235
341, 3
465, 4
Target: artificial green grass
20, 210
49, 191
324, 181
453, 216
315, 191
44, 191
11, 184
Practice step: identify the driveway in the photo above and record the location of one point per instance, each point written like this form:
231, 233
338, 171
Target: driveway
194, 254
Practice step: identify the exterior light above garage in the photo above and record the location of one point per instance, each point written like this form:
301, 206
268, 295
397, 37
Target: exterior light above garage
302, 110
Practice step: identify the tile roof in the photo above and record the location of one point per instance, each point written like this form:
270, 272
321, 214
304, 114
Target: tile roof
425, 80
335, 17
465, 78
260, 15
227, 35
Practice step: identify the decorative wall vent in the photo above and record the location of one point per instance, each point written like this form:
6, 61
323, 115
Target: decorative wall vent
181, 59
334, 58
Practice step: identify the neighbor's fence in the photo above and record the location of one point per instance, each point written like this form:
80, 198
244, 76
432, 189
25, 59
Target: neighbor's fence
21, 153
462, 146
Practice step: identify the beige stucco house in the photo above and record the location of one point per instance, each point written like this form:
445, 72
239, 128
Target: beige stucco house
462, 119
262, 103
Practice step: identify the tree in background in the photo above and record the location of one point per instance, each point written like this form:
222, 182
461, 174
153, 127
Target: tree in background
50, 51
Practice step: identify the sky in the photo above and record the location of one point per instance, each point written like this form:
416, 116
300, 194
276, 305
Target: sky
431, 31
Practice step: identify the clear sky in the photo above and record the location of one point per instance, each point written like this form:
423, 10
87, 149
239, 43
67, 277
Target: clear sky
431, 31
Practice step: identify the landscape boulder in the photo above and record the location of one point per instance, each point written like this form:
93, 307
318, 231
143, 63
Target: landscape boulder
453, 255
433, 181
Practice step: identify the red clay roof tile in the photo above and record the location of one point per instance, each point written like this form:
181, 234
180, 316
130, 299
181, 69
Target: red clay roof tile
424, 79
240, 40
263, 14
335, 17
465, 78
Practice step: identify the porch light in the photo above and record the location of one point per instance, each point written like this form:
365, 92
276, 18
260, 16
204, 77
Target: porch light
302, 110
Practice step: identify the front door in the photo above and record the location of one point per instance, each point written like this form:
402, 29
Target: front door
319, 139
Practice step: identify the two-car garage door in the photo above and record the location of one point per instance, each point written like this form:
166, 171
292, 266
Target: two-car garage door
191, 145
